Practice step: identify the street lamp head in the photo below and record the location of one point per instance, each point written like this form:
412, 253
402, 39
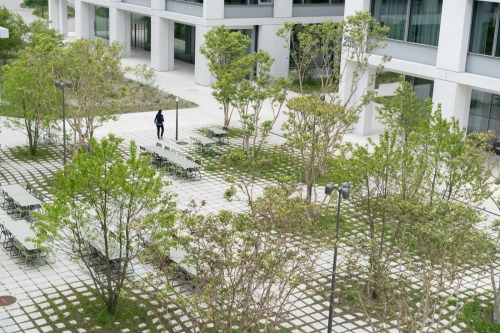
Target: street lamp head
345, 190
329, 189
63, 85
177, 99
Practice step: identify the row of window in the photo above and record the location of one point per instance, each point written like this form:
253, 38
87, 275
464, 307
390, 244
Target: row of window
418, 21
295, 2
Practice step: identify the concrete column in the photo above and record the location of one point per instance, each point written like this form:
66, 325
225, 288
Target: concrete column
353, 6
275, 46
202, 75
454, 99
215, 11
117, 26
54, 13
162, 44
84, 19
456, 19
351, 93
283, 8
63, 16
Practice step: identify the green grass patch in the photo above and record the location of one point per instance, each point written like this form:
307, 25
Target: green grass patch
478, 316
309, 86
86, 311
23, 153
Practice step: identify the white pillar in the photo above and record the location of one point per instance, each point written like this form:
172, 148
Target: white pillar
202, 75
117, 26
162, 44
456, 22
63, 16
353, 6
54, 14
215, 11
454, 99
84, 19
275, 46
351, 93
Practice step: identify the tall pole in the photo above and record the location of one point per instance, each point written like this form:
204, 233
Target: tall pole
62, 85
64, 127
176, 118
332, 289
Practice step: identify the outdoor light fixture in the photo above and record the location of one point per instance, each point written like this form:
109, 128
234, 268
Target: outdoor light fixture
176, 119
344, 191
63, 85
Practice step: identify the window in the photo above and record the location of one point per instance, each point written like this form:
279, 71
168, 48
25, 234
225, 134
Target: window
484, 112
101, 23
247, 2
416, 21
423, 88
484, 37
316, 2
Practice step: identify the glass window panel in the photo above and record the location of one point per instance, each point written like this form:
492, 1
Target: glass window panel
425, 20
101, 25
392, 14
423, 88
495, 108
479, 113
235, 2
483, 27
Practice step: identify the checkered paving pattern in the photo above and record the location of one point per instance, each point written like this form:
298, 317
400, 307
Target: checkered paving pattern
43, 290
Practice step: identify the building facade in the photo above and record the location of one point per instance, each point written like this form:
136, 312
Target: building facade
448, 49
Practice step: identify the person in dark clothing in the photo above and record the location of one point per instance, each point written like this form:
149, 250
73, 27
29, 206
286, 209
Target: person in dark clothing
159, 124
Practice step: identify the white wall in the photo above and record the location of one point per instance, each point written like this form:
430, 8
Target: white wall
275, 46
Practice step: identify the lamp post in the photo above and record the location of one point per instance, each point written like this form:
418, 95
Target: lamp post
344, 191
176, 119
63, 85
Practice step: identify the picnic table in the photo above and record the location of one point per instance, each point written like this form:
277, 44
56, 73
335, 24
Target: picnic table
181, 162
218, 133
202, 142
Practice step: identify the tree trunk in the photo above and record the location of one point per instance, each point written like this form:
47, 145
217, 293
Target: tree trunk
496, 307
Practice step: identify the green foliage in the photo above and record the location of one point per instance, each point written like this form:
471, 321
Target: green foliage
254, 249
409, 190
28, 85
17, 30
114, 200
316, 50
146, 76
228, 62
478, 317
95, 70
315, 128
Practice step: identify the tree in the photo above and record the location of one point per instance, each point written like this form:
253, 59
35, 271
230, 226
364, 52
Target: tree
246, 265
96, 73
326, 51
410, 191
17, 29
314, 128
228, 62
28, 84
249, 100
105, 209
317, 123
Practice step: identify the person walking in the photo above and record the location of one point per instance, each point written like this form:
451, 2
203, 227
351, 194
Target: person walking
159, 124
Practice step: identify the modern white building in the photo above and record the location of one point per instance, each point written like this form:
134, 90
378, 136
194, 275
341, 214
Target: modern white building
448, 49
